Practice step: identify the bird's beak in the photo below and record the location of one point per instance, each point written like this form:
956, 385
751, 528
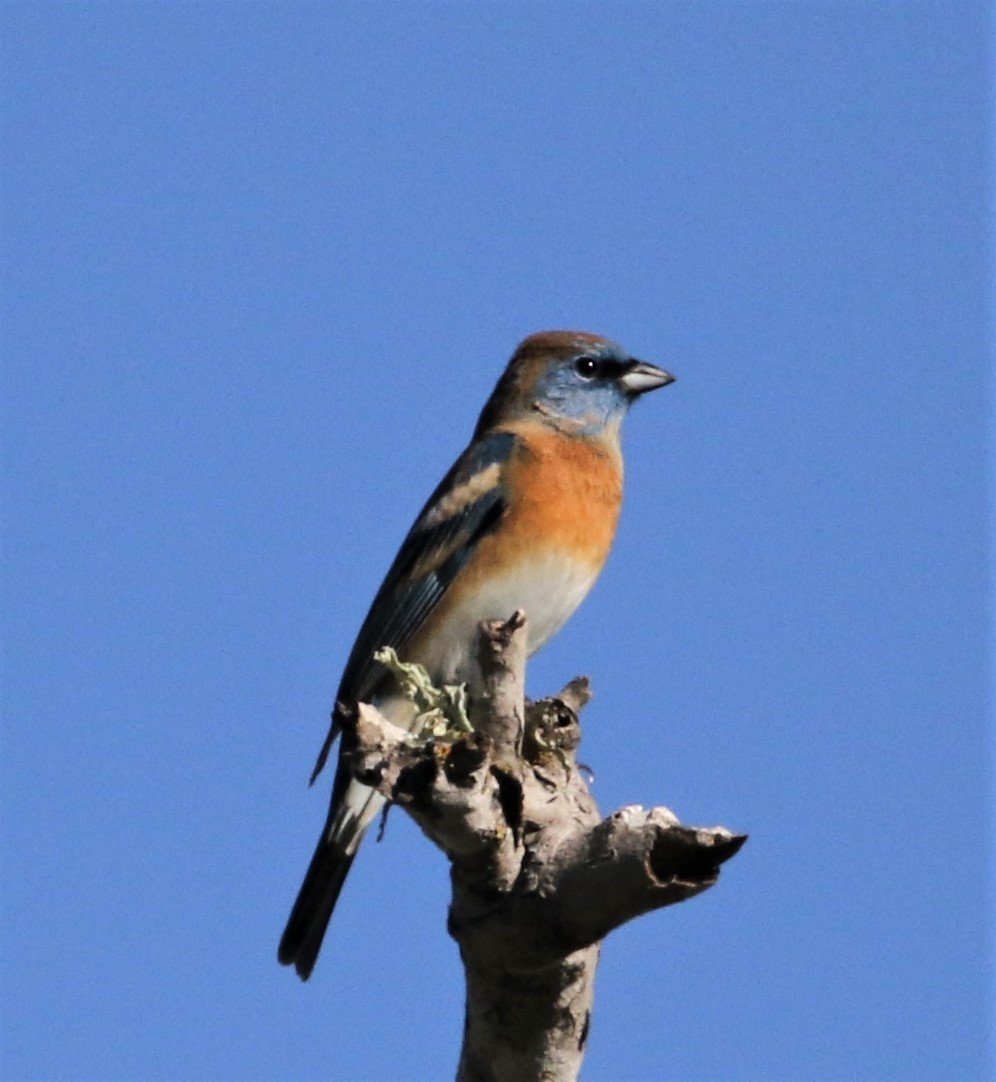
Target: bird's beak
640, 377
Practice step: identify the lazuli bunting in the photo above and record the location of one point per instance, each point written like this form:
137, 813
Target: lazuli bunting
523, 520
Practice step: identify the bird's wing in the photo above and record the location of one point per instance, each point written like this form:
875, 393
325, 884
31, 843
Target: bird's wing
465, 507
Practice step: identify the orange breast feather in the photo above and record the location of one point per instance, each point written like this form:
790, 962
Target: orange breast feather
564, 493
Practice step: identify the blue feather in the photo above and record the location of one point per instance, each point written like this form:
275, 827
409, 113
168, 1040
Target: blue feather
428, 561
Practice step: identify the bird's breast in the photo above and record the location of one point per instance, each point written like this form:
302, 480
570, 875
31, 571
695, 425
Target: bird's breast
564, 493
562, 506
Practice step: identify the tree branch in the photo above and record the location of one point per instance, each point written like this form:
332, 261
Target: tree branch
539, 879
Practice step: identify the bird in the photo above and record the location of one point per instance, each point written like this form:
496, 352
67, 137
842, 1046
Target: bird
524, 520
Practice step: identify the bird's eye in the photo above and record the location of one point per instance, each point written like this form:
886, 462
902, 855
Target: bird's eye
587, 367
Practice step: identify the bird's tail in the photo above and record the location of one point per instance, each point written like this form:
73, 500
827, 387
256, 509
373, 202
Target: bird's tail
334, 855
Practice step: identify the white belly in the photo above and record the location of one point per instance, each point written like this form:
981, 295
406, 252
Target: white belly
547, 590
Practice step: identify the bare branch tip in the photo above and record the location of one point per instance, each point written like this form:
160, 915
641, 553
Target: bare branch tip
729, 845
500, 633
577, 694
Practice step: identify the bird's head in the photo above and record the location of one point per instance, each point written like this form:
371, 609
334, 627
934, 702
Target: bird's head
578, 382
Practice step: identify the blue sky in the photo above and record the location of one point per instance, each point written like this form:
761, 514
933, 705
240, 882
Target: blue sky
262, 263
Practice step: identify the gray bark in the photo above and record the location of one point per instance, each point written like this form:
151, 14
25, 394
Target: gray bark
539, 878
